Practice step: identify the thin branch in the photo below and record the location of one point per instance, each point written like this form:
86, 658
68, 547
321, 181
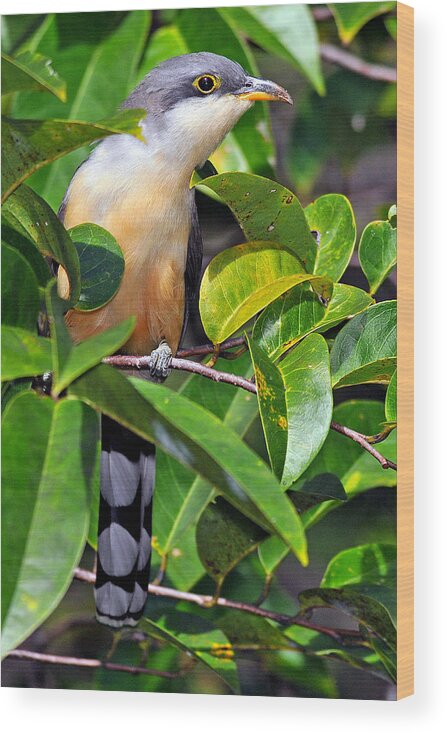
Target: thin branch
89, 663
203, 349
339, 56
130, 362
343, 636
361, 439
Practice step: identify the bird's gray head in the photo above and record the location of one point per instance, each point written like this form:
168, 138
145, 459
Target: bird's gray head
194, 100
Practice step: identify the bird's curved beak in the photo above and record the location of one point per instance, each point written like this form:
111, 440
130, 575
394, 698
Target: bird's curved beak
262, 90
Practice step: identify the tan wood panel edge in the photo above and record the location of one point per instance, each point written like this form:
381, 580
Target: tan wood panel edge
405, 288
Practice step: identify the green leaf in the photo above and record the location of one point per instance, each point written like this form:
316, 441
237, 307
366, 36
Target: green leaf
24, 354
31, 71
287, 31
185, 568
320, 488
30, 216
391, 400
244, 629
224, 537
30, 144
197, 439
70, 360
165, 42
23, 244
356, 468
45, 505
266, 211
20, 291
249, 145
378, 252
391, 26
370, 569
99, 62
242, 280
365, 350
102, 265
373, 618
351, 17
210, 646
318, 644
298, 312
180, 495
295, 404
332, 217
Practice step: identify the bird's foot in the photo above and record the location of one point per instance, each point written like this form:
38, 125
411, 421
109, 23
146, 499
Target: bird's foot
160, 361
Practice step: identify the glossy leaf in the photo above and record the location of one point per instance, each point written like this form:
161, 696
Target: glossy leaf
332, 217
20, 291
299, 311
30, 144
378, 252
357, 470
255, 632
369, 569
184, 568
391, 400
180, 495
318, 644
24, 354
295, 403
31, 71
320, 488
99, 61
102, 265
72, 360
42, 480
208, 646
365, 350
351, 17
373, 618
242, 280
165, 42
249, 145
266, 211
23, 244
30, 216
224, 537
287, 31
199, 440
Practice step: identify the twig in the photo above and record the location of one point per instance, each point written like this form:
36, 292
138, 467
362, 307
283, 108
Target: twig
236, 341
361, 439
204, 600
89, 663
129, 362
339, 56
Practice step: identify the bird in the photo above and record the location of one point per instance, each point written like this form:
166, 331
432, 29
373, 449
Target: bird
139, 190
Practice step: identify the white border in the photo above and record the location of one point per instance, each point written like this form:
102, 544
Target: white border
75, 711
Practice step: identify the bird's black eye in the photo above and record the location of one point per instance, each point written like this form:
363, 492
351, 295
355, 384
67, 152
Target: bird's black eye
206, 83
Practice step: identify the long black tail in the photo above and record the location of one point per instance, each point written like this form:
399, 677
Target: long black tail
124, 530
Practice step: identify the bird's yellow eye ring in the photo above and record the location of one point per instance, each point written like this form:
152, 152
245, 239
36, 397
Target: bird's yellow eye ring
207, 83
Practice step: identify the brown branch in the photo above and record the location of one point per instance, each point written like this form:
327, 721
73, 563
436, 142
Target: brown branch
89, 663
361, 439
339, 56
343, 636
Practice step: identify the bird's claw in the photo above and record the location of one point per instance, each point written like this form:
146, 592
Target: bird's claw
160, 361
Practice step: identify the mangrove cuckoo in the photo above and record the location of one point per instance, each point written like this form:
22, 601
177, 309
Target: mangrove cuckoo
140, 192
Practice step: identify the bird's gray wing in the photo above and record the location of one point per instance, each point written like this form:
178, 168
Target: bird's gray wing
193, 266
